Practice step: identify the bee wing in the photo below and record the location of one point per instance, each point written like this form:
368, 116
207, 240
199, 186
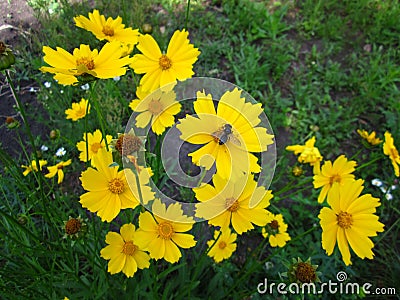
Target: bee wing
234, 140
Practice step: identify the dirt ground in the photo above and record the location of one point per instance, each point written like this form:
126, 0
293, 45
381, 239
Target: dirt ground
17, 22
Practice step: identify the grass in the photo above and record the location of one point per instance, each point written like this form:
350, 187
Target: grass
319, 68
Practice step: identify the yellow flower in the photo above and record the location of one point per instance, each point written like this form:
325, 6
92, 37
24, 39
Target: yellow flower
338, 172
160, 68
350, 220
229, 134
58, 170
162, 233
78, 110
123, 253
84, 64
369, 137
238, 202
110, 29
390, 150
224, 246
95, 142
308, 154
33, 166
159, 108
276, 230
110, 190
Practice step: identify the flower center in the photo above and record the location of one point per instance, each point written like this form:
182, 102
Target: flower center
129, 248
165, 230
222, 245
60, 167
95, 147
274, 225
344, 219
88, 62
334, 178
126, 144
107, 30
231, 204
155, 107
72, 226
116, 186
164, 62
305, 273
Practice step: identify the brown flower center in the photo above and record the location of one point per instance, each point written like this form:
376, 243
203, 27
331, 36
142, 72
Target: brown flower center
95, 147
116, 186
165, 230
155, 107
334, 178
60, 167
126, 144
305, 273
231, 204
129, 248
274, 225
107, 30
88, 62
222, 245
10, 120
344, 219
164, 62
72, 226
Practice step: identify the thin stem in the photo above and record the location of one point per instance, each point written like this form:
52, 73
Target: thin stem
187, 14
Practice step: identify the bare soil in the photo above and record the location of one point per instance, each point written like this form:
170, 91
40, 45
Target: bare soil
17, 23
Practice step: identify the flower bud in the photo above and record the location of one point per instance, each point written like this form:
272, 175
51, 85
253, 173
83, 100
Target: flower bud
7, 58
147, 28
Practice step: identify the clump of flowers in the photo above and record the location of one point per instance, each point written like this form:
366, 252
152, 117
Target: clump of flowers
369, 137
308, 154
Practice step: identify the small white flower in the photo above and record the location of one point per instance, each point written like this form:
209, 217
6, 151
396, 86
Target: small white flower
44, 148
85, 87
61, 91
61, 152
377, 182
116, 78
33, 90
393, 187
51, 11
47, 84
389, 196
383, 189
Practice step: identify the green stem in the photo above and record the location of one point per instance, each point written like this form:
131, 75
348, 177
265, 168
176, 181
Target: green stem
99, 115
187, 15
368, 163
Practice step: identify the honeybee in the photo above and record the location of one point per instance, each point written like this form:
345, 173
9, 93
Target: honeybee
225, 134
